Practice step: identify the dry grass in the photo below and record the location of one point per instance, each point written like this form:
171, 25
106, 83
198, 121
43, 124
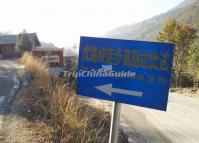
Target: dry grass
76, 122
37, 69
52, 102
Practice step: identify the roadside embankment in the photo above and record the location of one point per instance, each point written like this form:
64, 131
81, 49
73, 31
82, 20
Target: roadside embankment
59, 115
191, 92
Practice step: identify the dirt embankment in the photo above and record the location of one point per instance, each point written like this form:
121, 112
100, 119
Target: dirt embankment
192, 92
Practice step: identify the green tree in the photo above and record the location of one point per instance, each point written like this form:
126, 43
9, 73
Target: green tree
182, 35
23, 43
71, 65
193, 62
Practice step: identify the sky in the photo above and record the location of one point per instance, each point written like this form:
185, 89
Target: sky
62, 22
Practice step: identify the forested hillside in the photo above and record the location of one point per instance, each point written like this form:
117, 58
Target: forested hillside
187, 11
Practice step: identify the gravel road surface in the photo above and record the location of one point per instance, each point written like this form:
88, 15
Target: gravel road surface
13, 127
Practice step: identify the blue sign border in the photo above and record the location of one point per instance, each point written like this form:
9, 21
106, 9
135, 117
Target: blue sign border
155, 95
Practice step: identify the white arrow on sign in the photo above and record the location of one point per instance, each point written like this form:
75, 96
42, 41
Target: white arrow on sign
108, 89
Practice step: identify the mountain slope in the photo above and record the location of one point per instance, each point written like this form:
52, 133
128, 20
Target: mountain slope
187, 11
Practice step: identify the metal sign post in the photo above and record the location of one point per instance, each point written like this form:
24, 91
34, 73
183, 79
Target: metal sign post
115, 123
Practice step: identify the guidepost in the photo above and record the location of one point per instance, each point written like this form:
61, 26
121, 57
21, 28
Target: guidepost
125, 71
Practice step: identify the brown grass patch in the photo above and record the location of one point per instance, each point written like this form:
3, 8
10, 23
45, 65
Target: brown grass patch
55, 104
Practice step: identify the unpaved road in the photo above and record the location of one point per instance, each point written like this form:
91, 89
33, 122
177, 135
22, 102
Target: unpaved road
180, 124
13, 127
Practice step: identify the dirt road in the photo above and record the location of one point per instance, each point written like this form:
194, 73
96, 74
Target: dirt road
13, 127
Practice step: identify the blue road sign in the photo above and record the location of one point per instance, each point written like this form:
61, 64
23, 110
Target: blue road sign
125, 71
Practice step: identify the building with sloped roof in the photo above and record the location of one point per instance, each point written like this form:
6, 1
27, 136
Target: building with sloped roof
7, 45
53, 56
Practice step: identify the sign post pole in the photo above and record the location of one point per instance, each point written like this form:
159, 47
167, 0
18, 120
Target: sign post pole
115, 123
